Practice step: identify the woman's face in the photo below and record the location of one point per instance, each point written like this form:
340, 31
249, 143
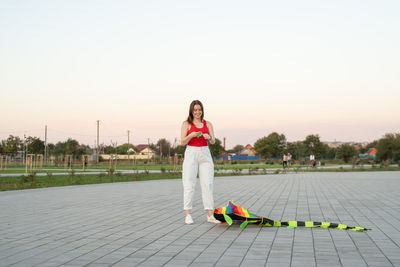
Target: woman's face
197, 111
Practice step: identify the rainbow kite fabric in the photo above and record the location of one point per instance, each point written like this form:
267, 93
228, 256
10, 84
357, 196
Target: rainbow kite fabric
236, 214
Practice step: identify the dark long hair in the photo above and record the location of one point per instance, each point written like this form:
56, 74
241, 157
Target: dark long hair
190, 117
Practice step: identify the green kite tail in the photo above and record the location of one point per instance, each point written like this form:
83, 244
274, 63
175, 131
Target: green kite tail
236, 214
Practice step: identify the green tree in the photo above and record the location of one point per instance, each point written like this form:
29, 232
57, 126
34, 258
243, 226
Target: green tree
35, 145
123, 149
373, 144
2, 147
165, 146
315, 146
109, 149
153, 147
272, 145
236, 149
70, 146
51, 149
216, 148
180, 150
82, 149
346, 152
13, 144
60, 148
389, 147
331, 153
297, 149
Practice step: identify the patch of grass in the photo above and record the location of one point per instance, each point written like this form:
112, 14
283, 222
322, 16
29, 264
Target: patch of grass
34, 181
51, 180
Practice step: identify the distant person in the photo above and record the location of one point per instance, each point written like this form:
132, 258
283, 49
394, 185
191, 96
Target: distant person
289, 159
312, 160
197, 133
284, 161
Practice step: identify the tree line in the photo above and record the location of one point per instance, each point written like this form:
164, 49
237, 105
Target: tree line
273, 145
14, 145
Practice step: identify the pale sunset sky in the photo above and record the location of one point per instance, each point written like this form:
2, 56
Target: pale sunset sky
295, 67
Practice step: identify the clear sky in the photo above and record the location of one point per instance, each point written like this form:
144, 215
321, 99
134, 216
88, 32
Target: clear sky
296, 67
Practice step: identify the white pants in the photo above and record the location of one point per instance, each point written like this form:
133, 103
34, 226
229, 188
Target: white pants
198, 160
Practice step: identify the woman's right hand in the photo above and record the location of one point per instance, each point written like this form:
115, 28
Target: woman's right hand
193, 134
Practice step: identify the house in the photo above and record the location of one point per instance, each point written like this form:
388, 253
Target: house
145, 150
144, 153
247, 151
371, 154
223, 154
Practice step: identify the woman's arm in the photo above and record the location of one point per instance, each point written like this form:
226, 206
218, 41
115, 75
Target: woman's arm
211, 137
185, 138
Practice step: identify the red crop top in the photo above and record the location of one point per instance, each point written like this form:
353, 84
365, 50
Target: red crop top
198, 141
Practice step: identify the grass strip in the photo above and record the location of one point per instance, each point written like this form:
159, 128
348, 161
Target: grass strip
49, 180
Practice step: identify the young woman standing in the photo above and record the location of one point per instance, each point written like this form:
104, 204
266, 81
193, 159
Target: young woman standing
196, 133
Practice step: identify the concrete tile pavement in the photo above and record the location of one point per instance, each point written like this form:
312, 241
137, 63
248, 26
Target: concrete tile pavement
141, 223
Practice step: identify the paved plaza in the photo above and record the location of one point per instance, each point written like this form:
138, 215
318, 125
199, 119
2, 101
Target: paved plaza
142, 223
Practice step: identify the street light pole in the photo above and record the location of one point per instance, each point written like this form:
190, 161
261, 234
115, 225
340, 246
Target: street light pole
128, 145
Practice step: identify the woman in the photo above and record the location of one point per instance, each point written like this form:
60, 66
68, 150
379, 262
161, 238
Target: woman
284, 161
197, 133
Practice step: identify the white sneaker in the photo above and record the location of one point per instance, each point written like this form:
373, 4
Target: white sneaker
188, 219
211, 219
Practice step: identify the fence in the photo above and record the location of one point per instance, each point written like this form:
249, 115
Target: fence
239, 157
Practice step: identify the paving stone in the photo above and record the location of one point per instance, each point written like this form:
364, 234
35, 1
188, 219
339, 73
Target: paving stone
113, 224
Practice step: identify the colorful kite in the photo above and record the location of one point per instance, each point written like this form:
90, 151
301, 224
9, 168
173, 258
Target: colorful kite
236, 214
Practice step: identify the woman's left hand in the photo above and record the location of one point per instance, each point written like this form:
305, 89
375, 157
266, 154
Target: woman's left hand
207, 136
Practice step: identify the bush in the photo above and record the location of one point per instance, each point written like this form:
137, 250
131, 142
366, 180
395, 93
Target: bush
28, 178
384, 164
236, 171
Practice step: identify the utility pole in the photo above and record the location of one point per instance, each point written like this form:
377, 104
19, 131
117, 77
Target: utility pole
128, 145
24, 161
45, 144
148, 147
98, 148
160, 151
